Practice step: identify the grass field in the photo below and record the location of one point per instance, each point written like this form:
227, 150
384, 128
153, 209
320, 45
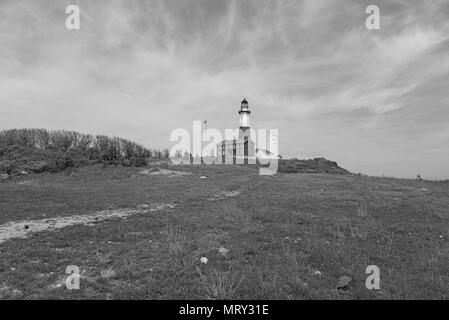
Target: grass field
288, 236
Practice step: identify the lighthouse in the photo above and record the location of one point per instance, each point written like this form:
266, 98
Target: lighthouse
241, 149
245, 145
244, 114
244, 128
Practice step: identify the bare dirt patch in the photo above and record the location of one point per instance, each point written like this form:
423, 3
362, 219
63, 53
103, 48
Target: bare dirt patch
21, 229
28, 183
165, 172
224, 195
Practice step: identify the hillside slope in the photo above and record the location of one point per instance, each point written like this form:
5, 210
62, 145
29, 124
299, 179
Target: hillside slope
39, 150
317, 165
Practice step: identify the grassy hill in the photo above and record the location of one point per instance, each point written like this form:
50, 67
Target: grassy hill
317, 165
39, 150
288, 236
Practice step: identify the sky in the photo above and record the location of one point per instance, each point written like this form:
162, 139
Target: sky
375, 101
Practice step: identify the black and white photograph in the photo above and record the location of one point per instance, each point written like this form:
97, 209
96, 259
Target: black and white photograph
236, 151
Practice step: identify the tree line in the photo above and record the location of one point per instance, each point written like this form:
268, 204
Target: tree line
61, 149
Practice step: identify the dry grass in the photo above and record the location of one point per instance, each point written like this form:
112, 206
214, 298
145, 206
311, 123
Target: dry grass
361, 232
219, 285
290, 240
175, 238
237, 216
362, 209
443, 213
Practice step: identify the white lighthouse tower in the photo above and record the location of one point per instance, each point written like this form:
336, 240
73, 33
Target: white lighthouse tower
242, 149
244, 115
245, 145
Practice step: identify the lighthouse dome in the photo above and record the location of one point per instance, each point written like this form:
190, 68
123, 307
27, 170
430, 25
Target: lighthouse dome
244, 103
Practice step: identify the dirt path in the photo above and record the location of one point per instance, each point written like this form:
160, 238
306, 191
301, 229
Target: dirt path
22, 229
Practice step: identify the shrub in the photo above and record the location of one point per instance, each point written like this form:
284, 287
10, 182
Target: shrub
40, 150
6, 166
37, 166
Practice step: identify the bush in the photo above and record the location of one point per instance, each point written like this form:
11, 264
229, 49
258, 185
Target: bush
37, 166
6, 166
40, 150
